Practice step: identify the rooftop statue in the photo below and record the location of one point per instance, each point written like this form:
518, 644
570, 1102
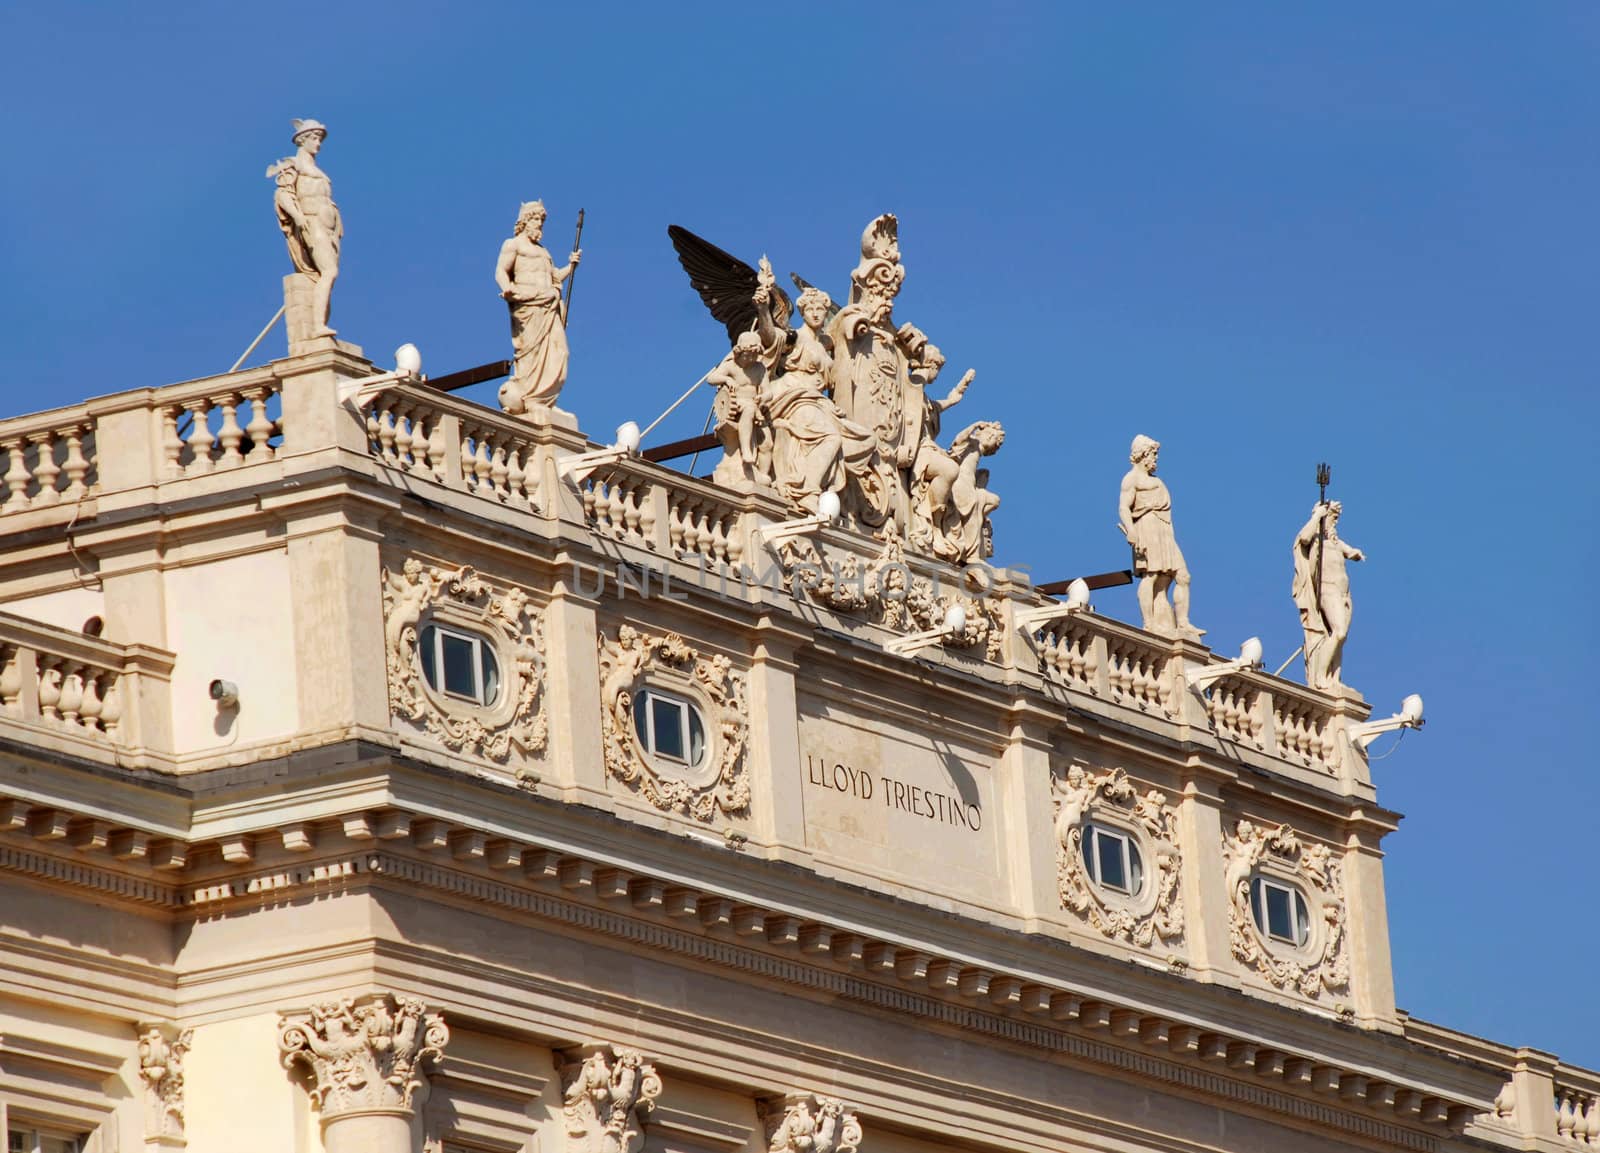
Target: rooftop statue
843, 400
311, 226
531, 285
1145, 511
1322, 592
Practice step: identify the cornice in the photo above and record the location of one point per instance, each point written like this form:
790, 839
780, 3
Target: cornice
1366, 1090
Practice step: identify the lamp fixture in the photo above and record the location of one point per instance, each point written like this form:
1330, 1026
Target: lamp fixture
1409, 717
579, 466
359, 392
827, 513
955, 623
1249, 658
1030, 621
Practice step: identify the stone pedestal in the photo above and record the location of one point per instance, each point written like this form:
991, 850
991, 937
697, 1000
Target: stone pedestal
299, 312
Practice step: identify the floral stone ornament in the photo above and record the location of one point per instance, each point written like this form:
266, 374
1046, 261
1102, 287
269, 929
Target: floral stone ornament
364, 1057
811, 1124
504, 712
1322, 960
704, 786
1109, 800
609, 1095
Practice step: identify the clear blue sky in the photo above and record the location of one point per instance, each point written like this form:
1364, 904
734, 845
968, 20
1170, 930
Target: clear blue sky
1265, 234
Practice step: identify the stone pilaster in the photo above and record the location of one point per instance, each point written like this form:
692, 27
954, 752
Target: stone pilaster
366, 1059
162, 1050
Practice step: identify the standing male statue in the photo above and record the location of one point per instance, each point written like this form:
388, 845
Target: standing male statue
311, 225
1322, 593
1146, 519
531, 285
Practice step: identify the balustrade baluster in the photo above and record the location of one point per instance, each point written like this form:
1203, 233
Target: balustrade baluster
11, 682
70, 704
516, 477
90, 709
49, 687
200, 438
260, 428
404, 422
17, 476
499, 471
76, 465
45, 469
229, 434
421, 442
111, 708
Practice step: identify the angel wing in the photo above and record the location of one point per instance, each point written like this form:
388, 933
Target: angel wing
726, 283
802, 284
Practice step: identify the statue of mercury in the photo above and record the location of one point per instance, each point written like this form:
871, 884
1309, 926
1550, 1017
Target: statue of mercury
1322, 593
1145, 512
309, 218
531, 285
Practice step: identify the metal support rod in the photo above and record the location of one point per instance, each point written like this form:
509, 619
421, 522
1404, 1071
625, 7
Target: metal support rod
262, 335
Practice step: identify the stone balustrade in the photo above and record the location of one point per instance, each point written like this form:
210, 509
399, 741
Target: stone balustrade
667, 512
80, 687
50, 460
212, 425
1577, 1106
456, 443
1111, 660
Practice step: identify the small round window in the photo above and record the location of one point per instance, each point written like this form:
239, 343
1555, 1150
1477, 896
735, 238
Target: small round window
669, 728
1112, 860
459, 664
1280, 911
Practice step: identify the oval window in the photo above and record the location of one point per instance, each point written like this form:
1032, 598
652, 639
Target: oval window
1280, 911
669, 727
459, 664
1112, 860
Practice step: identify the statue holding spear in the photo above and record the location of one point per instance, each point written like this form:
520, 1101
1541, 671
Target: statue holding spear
1321, 587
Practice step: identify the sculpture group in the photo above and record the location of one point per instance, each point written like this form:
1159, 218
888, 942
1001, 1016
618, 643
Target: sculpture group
844, 402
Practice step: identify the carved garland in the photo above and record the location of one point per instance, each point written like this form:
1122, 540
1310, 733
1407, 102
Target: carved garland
888, 593
721, 783
1112, 800
516, 719
1323, 962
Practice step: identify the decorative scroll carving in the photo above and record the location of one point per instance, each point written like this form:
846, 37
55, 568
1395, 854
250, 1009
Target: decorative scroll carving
463, 598
888, 593
363, 1057
608, 1097
1156, 911
1324, 961
162, 1050
719, 782
811, 1124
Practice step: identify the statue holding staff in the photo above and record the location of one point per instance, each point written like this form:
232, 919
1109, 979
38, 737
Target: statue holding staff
531, 285
1145, 513
1321, 592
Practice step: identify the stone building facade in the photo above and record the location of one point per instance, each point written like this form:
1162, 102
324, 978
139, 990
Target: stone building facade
376, 780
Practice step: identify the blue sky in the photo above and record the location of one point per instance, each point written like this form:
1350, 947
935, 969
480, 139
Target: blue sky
1265, 234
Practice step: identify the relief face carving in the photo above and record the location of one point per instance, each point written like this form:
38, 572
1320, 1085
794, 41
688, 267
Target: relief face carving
462, 599
366, 1056
812, 1124
1323, 962
607, 1099
719, 782
161, 1055
1110, 800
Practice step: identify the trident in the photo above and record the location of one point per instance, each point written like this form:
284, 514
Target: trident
577, 243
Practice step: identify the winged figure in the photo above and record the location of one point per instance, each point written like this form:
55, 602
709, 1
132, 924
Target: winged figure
726, 283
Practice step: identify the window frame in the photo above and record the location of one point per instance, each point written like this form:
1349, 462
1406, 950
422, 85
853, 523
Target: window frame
1132, 859
1299, 911
481, 646
74, 1142
690, 717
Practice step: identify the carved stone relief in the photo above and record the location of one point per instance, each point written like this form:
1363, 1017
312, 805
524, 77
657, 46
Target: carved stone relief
162, 1050
1323, 962
364, 1056
719, 782
1153, 912
811, 1124
609, 1094
887, 592
463, 599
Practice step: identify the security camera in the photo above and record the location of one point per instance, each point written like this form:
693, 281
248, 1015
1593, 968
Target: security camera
225, 693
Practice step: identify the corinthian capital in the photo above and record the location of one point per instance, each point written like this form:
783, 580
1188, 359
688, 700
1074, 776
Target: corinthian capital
162, 1050
364, 1053
806, 1123
609, 1091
